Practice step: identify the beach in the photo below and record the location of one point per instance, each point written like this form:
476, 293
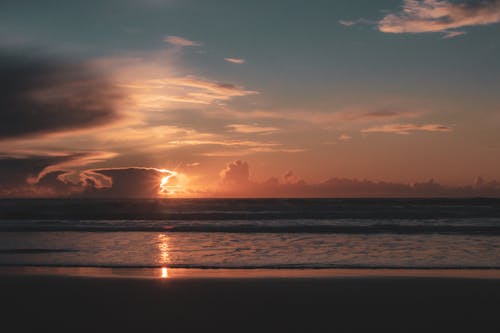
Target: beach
312, 302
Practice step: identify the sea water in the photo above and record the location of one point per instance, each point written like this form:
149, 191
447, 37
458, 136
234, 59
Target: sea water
252, 233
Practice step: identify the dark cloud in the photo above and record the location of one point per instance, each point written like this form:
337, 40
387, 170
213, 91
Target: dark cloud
131, 182
16, 174
39, 95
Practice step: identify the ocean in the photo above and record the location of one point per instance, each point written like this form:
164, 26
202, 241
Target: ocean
251, 233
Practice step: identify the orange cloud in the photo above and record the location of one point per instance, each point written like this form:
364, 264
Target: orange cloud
237, 61
440, 16
407, 128
236, 173
180, 41
344, 137
427, 16
243, 128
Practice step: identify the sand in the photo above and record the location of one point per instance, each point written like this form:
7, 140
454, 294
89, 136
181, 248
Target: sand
45, 303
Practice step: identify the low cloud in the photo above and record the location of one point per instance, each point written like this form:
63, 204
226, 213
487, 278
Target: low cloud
407, 128
180, 41
18, 175
129, 182
435, 16
46, 96
291, 185
236, 174
235, 181
237, 61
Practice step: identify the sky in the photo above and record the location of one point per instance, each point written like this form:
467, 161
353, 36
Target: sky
197, 98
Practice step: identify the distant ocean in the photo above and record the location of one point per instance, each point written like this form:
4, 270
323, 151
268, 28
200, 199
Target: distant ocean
252, 233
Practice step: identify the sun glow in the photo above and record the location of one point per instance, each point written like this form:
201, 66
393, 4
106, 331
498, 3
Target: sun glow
167, 184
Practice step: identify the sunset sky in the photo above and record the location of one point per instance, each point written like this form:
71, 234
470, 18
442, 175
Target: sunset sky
249, 98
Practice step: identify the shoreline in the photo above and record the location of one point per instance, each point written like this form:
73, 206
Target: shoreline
246, 273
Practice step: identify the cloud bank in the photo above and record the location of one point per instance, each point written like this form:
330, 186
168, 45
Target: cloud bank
235, 181
289, 185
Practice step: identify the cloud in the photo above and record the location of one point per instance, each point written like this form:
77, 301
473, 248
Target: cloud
220, 90
347, 23
180, 41
293, 186
171, 90
407, 128
130, 182
68, 167
238, 61
45, 96
149, 182
17, 174
344, 137
243, 128
291, 178
440, 16
382, 114
235, 173
436, 16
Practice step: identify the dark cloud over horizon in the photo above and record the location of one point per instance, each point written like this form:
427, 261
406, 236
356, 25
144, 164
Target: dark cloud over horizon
291, 185
16, 173
132, 182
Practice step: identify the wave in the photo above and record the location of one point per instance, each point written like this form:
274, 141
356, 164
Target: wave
248, 209
35, 251
252, 267
423, 228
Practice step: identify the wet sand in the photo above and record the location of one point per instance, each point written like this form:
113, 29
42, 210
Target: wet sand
48, 303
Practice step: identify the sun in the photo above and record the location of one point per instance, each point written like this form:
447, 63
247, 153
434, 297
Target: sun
170, 183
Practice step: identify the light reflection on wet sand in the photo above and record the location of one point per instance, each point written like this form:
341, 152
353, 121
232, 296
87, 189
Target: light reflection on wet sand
195, 273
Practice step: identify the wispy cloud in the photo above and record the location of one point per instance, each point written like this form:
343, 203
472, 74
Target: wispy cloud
180, 41
407, 128
152, 82
243, 128
250, 151
344, 137
347, 23
425, 16
238, 61
217, 88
